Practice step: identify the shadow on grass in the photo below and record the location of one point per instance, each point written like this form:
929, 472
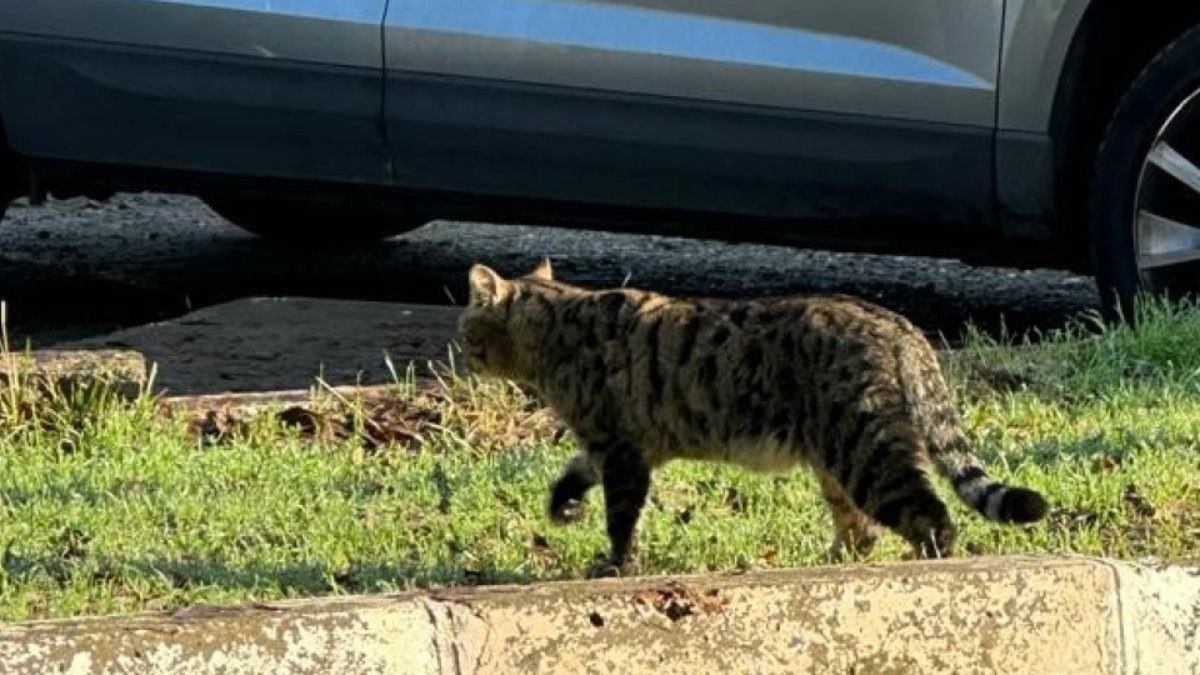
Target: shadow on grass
70, 493
1051, 454
285, 579
300, 579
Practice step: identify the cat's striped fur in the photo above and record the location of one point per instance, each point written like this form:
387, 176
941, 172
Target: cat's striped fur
848, 388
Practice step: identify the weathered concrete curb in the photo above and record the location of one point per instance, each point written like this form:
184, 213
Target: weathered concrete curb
986, 615
65, 369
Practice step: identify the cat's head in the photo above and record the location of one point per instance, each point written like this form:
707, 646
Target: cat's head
500, 327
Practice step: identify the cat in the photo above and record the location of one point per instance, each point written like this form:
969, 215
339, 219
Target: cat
848, 388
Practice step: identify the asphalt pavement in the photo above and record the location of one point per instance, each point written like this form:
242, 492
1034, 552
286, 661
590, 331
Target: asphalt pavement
78, 268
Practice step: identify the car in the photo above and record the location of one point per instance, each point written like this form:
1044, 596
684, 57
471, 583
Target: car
1060, 133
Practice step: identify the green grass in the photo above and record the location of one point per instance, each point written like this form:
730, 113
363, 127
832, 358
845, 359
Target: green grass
108, 506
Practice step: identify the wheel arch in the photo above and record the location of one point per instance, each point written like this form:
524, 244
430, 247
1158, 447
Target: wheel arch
1094, 77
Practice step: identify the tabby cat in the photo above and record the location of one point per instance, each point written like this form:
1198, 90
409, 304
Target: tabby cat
841, 385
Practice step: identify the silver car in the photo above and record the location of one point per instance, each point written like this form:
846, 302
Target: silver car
1028, 132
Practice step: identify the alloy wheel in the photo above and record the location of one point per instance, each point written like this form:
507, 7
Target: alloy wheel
1166, 212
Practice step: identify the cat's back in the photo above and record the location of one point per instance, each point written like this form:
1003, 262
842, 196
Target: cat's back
712, 338
787, 323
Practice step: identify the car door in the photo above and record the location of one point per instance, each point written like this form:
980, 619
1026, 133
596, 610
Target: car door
820, 108
284, 88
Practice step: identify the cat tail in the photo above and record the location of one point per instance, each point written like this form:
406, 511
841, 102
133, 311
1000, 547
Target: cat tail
934, 414
991, 498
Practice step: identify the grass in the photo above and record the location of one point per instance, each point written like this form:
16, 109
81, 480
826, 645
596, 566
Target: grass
110, 506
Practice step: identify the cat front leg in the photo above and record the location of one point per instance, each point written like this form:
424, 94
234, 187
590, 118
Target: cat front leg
626, 477
567, 503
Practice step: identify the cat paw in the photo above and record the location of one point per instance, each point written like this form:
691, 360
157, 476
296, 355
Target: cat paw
604, 567
837, 554
570, 511
605, 570
842, 551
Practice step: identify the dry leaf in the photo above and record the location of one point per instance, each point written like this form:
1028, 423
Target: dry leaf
540, 546
770, 555
1106, 464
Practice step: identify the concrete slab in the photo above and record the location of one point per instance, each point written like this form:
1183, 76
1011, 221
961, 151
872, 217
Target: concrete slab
271, 344
1028, 615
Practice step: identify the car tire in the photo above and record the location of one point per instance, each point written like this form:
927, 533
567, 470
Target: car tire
1144, 210
306, 223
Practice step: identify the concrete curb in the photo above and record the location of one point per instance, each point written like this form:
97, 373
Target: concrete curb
1027, 615
65, 369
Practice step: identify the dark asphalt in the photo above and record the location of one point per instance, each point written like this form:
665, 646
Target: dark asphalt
78, 267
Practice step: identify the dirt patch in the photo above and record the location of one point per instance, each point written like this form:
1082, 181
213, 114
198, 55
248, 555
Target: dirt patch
401, 417
676, 601
375, 417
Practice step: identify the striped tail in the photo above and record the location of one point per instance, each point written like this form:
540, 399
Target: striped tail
991, 498
933, 412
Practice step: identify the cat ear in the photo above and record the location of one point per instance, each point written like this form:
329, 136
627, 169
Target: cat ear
544, 271
487, 287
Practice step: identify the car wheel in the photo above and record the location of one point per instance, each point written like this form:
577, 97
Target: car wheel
300, 222
1144, 219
